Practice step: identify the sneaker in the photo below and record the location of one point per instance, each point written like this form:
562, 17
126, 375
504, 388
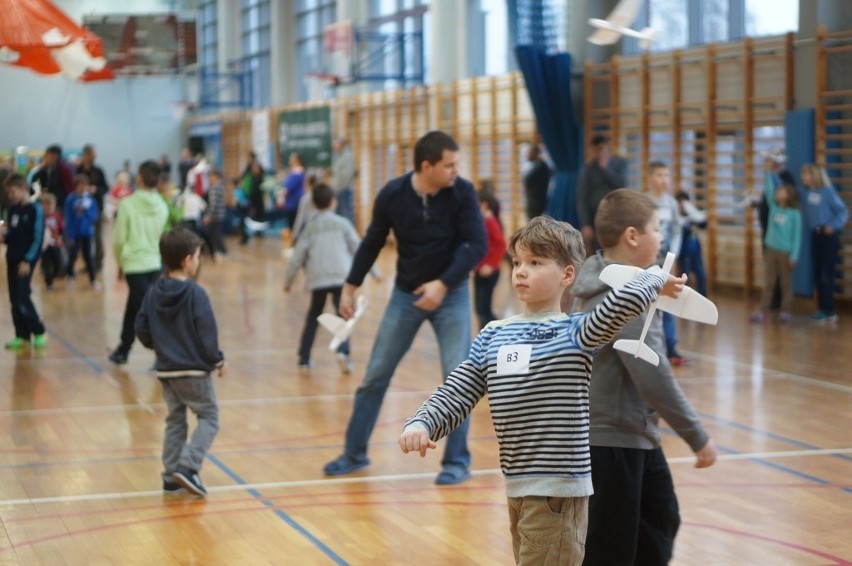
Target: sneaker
758, 317
676, 359
97, 286
15, 344
171, 487
118, 357
189, 480
452, 475
344, 464
784, 318
822, 317
40, 340
345, 363
305, 365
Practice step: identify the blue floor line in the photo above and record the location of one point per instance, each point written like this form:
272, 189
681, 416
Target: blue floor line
70, 347
281, 514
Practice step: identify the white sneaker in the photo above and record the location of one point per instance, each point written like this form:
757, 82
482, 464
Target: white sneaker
345, 363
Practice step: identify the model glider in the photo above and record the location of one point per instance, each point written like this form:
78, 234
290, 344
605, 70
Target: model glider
340, 327
618, 24
39, 36
690, 305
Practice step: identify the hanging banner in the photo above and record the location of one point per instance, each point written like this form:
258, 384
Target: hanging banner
260, 139
308, 133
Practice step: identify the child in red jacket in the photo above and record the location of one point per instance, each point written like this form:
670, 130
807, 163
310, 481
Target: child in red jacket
487, 273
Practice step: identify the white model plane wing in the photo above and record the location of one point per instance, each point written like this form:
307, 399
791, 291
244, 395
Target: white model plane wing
689, 304
603, 36
618, 23
624, 13
340, 327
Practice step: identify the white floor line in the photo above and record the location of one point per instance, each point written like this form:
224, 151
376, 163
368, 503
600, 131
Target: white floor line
776, 373
381, 479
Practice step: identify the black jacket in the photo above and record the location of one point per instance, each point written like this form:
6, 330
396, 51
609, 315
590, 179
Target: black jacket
176, 320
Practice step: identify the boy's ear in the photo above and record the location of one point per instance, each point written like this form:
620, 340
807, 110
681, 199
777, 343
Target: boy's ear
629, 236
568, 275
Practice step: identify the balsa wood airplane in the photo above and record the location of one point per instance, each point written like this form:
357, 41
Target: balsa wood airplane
340, 327
690, 305
618, 24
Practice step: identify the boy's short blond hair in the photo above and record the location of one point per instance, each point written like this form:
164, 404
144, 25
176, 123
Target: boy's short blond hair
546, 237
46, 198
619, 210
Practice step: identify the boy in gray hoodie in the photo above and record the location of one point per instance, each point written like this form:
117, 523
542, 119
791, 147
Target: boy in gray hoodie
633, 514
177, 321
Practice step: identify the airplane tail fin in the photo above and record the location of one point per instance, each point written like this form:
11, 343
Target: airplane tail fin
638, 349
649, 35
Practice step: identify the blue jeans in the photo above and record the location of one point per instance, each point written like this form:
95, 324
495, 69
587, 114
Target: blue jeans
670, 332
346, 204
400, 323
824, 251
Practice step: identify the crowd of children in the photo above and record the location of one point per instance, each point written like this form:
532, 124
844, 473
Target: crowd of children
579, 442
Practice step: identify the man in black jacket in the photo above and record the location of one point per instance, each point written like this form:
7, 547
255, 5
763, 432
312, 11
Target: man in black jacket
440, 234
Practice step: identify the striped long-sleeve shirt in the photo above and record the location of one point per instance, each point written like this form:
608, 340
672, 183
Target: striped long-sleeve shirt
535, 370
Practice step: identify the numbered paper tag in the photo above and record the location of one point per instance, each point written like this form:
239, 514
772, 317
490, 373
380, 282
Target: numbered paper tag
814, 198
513, 359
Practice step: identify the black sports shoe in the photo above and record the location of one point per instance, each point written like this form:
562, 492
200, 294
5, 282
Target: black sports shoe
118, 357
189, 479
171, 487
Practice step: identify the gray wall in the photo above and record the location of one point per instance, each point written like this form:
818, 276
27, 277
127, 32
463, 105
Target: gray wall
125, 119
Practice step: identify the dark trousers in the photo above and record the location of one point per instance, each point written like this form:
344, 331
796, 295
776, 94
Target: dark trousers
84, 245
214, 232
633, 515
824, 250
483, 293
692, 263
99, 244
137, 285
309, 332
24, 315
51, 264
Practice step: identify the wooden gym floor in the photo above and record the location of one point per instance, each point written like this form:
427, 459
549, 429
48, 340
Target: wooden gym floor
80, 444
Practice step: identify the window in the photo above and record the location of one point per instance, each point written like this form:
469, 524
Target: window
396, 42
311, 18
772, 17
669, 18
256, 38
208, 25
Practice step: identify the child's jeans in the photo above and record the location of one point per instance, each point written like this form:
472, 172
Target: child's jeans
197, 394
309, 332
24, 315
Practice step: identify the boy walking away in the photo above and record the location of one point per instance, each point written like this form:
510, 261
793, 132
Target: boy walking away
535, 369
140, 222
633, 514
81, 214
324, 249
177, 321
23, 237
52, 258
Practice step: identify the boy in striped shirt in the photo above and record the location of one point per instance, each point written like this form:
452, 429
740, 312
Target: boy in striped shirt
535, 368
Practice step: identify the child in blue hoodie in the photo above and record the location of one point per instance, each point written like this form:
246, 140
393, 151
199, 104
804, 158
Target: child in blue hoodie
81, 214
176, 320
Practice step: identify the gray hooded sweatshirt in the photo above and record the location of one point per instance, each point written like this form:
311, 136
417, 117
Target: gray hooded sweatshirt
627, 395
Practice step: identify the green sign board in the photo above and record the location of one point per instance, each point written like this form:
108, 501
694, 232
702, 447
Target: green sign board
308, 133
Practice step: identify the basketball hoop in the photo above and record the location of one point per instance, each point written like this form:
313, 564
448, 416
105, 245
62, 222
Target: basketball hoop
321, 86
180, 108
338, 49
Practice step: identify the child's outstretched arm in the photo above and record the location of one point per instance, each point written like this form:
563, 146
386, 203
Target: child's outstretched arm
415, 438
